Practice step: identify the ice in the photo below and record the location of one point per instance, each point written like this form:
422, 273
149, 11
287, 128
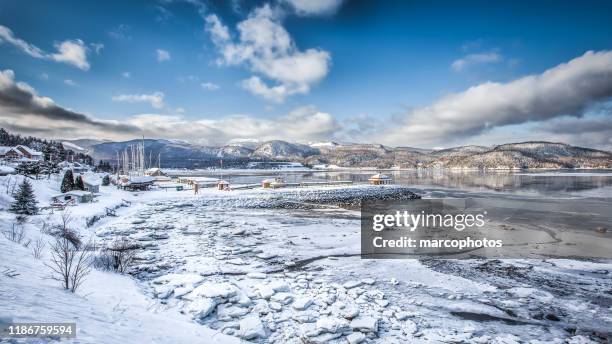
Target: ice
251, 327
332, 325
351, 284
201, 307
365, 324
355, 338
302, 303
214, 290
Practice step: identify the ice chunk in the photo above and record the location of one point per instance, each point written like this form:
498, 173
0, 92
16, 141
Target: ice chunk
251, 327
351, 284
302, 303
200, 308
356, 338
332, 325
365, 324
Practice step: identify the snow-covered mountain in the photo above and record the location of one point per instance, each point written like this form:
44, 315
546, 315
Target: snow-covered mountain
278, 149
513, 155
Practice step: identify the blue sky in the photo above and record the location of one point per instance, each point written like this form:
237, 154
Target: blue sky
330, 69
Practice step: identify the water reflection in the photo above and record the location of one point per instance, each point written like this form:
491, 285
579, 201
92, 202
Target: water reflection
545, 183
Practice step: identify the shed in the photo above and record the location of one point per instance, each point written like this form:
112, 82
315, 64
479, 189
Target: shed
92, 184
154, 172
223, 185
78, 196
379, 179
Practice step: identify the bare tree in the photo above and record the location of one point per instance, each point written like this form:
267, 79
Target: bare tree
38, 247
69, 264
70, 259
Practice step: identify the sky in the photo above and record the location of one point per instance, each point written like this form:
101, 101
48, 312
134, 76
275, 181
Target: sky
428, 74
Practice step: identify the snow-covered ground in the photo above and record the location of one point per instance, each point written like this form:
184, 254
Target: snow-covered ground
219, 266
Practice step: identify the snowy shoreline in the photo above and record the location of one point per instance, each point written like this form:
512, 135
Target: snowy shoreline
219, 266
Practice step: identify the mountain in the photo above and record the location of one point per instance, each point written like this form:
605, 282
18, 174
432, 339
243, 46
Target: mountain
181, 154
277, 149
530, 155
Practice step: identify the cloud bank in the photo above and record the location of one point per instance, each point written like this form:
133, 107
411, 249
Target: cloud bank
565, 90
156, 99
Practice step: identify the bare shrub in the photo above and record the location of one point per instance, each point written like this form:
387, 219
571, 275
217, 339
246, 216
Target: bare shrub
15, 234
38, 247
118, 256
63, 230
70, 259
69, 264
27, 243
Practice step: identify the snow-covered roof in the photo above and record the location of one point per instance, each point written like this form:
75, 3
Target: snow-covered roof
223, 182
79, 193
29, 150
153, 169
142, 179
380, 176
5, 149
90, 180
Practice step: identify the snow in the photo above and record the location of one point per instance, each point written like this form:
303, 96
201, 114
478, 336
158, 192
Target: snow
213, 269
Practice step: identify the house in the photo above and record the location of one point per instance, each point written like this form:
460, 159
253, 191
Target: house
29, 153
155, 172
76, 196
91, 183
137, 183
10, 153
379, 179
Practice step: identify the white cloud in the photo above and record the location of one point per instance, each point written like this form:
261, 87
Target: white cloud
162, 55
276, 93
126, 75
267, 49
156, 99
209, 86
565, 90
314, 7
72, 52
474, 59
70, 82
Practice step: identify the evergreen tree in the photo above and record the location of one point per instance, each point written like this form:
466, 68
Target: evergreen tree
25, 201
67, 182
78, 183
106, 180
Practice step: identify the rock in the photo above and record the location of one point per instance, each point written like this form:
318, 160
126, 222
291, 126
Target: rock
251, 327
351, 284
302, 303
365, 324
332, 325
355, 338
200, 308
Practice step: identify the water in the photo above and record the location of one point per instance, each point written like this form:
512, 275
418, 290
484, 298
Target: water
541, 183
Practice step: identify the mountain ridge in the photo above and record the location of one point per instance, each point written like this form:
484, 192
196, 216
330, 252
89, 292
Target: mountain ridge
528, 154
